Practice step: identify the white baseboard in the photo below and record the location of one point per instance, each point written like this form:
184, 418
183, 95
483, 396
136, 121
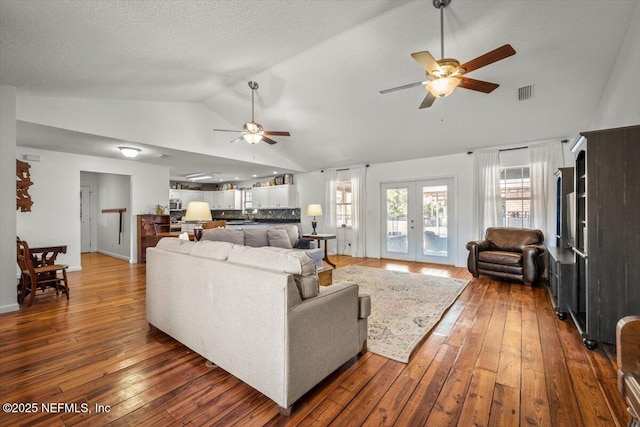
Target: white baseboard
125, 258
9, 308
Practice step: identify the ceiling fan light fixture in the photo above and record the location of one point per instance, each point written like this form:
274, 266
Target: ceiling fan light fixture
443, 87
252, 138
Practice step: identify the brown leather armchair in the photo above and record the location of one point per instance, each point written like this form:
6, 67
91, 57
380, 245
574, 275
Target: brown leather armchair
508, 253
628, 358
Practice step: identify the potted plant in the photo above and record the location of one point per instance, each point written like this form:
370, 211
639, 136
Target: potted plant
160, 209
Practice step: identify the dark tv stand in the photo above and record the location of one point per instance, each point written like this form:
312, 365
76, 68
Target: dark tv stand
561, 279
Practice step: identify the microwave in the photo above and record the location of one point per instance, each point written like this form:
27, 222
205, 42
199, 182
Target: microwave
175, 204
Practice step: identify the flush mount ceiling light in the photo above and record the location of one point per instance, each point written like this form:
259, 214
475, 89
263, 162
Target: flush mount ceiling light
198, 176
129, 152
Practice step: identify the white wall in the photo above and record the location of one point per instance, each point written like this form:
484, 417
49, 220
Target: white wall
311, 187
459, 166
55, 216
8, 301
176, 125
620, 102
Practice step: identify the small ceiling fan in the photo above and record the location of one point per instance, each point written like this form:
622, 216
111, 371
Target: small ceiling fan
444, 75
251, 131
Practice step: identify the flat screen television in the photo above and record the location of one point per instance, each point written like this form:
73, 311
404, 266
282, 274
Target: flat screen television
570, 226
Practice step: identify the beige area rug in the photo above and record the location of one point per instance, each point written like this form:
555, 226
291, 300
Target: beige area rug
404, 306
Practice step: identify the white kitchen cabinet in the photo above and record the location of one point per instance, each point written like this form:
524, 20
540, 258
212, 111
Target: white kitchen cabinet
175, 194
260, 197
228, 199
190, 196
231, 199
274, 197
282, 196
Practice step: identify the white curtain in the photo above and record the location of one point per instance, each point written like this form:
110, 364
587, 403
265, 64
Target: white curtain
329, 208
358, 195
545, 161
486, 195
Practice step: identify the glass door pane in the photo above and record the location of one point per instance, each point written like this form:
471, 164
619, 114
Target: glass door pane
397, 224
436, 241
434, 221
397, 238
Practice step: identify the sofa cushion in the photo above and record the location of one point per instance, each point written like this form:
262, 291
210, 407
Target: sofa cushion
279, 238
292, 232
256, 237
296, 263
173, 244
224, 235
500, 257
211, 249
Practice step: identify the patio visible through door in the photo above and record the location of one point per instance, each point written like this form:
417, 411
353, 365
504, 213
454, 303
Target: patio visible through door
419, 220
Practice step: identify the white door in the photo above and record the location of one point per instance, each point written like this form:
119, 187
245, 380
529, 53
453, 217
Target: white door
85, 218
419, 221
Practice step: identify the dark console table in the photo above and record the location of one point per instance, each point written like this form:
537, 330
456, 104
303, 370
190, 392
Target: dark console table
561, 280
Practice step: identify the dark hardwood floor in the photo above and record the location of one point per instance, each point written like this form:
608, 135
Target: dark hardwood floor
498, 357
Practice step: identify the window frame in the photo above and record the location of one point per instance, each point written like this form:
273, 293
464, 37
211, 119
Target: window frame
506, 184
344, 209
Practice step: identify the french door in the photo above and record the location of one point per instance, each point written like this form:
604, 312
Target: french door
419, 221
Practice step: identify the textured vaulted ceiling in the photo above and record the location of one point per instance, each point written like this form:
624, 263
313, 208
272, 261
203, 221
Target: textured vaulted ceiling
320, 65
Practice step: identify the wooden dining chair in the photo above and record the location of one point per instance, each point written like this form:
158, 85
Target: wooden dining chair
215, 224
38, 277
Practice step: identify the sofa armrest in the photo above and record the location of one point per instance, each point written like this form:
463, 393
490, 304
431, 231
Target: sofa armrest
628, 361
364, 306
323, 333
532, 264
474, 247
481, 245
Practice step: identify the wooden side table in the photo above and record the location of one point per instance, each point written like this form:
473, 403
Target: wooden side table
322, 237
325, 277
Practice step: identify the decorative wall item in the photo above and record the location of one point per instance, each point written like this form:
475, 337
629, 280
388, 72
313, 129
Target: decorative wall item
23, 182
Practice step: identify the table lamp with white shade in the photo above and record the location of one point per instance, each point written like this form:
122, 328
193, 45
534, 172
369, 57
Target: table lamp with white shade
198, 212
314, 210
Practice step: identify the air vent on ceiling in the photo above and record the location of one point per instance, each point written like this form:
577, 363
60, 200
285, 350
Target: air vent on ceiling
525, 92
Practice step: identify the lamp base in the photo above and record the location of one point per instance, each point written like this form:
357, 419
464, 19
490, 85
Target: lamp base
197, 232
314, 224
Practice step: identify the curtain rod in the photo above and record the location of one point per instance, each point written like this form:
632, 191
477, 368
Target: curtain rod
345, 169
564, 141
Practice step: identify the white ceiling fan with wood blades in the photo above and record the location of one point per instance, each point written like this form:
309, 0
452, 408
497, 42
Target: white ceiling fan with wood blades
444, 75
252, 132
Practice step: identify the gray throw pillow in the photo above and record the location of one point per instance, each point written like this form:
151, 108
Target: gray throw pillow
256, 237
278, 238
224, 235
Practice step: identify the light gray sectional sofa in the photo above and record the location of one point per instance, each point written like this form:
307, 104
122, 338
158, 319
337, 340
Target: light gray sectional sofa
258, 313
285, 236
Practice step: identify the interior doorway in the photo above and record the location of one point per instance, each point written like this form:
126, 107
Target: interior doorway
105, 214
419, 221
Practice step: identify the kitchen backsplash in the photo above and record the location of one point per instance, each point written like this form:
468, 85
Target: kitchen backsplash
292, 214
